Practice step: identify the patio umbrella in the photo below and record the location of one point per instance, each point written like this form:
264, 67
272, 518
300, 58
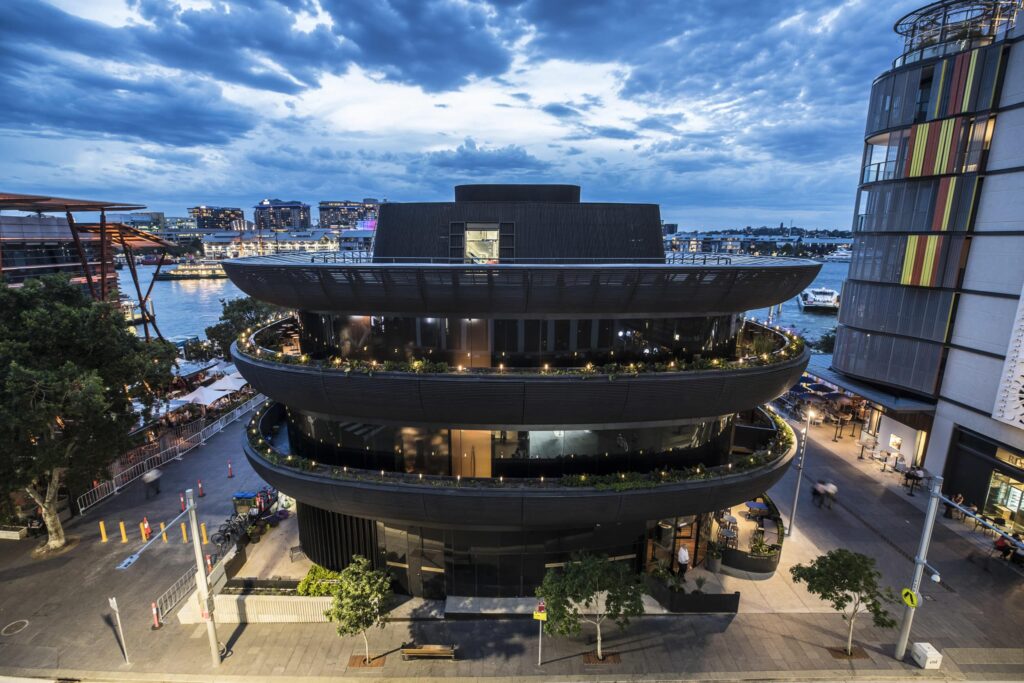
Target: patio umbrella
204, 396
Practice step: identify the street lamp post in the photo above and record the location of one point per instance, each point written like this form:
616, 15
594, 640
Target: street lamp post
800, 471
920, 562
202, 581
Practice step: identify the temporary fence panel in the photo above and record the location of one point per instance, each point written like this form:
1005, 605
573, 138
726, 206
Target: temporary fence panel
178, 591
136, 462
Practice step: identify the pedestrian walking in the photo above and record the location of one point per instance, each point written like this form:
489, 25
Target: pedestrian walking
152, 482
818, 493
684, 561
831, 490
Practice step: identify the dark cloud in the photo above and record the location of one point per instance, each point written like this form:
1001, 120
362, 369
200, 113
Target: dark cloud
561, 111
64, 98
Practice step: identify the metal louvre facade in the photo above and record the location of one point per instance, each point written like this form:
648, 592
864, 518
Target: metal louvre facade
503, 401
512, 290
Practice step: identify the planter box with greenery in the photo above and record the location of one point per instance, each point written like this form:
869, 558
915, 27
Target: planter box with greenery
693, 602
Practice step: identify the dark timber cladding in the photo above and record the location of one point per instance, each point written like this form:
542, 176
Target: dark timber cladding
541, 230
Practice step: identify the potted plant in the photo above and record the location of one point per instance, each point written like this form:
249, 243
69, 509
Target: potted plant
700, 581
254, 534
713, 563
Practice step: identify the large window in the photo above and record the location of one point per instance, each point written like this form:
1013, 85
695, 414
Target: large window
482, 242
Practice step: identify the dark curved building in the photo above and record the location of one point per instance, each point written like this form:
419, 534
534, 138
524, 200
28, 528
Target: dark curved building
511, 377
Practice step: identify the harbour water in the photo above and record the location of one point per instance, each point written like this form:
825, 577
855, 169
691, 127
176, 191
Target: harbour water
188, 307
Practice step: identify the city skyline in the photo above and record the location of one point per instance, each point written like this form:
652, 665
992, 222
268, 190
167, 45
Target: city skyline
725, 119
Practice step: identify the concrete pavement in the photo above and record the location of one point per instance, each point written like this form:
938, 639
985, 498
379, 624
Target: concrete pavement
974, 617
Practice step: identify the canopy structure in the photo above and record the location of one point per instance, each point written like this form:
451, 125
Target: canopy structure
109, 234
229, 383
205, 396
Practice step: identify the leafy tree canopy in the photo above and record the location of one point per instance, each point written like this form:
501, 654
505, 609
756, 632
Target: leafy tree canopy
850, 583
236, 316
360, 600
69, 369
590, 589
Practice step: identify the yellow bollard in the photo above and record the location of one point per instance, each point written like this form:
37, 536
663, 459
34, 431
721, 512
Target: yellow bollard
184, 533
142, 532
124, 534
103, 532
202, 529
162, 532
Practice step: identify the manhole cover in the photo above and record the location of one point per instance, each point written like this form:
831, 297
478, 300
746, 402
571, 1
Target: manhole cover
14, 627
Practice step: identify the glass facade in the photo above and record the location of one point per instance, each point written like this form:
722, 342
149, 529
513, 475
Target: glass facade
989, 475
512, 453
531, 343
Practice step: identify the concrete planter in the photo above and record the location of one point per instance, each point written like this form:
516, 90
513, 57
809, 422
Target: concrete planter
692, 603
260, 609
13, 533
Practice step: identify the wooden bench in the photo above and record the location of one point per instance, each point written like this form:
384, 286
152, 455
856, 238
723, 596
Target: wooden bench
432, 651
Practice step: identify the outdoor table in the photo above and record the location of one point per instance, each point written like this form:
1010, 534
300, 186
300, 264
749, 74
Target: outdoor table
755, 508
729, 535
729, 519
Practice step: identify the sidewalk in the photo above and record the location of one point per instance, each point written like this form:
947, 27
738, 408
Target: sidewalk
974, 617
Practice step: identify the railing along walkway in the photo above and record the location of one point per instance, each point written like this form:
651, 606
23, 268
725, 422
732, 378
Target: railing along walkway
138, 461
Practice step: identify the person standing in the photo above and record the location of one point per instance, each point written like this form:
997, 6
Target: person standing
683, 556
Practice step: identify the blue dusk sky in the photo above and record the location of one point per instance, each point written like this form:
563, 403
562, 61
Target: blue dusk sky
725, 114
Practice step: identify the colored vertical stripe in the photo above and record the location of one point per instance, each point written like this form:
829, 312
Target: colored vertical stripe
928, 265
909, 253
934, 113
931, 148
950, 193
955, 84
969, 86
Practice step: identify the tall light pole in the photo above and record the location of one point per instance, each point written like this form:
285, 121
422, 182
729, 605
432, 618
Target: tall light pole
202, 582
800, 470
920, 562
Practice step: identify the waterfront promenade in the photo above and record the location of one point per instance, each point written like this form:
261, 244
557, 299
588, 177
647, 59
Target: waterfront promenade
975, 617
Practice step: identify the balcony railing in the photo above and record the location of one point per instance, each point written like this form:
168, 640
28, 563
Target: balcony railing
883, 170
260, 442
786, 347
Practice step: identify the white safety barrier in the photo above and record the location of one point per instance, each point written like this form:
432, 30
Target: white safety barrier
138, 461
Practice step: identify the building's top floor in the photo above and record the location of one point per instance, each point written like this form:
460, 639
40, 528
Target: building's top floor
279, 204
951, 26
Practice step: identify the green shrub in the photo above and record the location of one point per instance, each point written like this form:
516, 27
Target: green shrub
319, 582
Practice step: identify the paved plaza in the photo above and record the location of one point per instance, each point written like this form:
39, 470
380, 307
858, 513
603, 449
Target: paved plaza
975, 617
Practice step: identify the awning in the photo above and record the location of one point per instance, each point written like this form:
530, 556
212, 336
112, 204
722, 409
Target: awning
820, 367
205, 396
229, 383
44, 204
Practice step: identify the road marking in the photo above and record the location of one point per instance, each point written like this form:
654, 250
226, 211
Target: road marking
14, 628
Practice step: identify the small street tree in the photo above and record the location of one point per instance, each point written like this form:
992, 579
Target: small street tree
69, 370
849, 581
237, 315
360, 600
590, 589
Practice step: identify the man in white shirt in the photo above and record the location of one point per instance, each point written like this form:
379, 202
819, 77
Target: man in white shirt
684, 560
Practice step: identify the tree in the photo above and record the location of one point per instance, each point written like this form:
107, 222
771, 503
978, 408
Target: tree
574, 595
360, 600
236, 316
826, 342
849, 581
69, 370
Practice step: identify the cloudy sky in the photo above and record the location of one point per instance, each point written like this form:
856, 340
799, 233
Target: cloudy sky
726, 114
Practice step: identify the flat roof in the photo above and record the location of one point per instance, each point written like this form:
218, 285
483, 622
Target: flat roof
44, 204
820, 366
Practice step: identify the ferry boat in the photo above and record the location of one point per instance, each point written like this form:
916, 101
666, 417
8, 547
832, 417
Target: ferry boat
819, 299
840, 256
197, 270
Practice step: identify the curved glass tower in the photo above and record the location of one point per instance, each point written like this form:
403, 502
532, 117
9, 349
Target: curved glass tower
511, 377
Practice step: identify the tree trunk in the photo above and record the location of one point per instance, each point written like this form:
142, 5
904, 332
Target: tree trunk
600, 654
48, 508
367, 644
849, 637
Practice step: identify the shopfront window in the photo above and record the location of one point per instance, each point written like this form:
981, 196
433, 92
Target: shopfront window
482, 242
1006, 500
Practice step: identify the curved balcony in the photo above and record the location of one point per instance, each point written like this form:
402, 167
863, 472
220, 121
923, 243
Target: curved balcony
607, 397
492, 504
692, 284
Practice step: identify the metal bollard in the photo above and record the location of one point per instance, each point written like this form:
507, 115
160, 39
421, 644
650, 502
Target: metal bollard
103, 532
184, 533
124, 533
163, 533
202, 531
142, 532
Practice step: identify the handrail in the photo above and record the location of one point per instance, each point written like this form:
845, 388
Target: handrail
790, 346
671, 258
